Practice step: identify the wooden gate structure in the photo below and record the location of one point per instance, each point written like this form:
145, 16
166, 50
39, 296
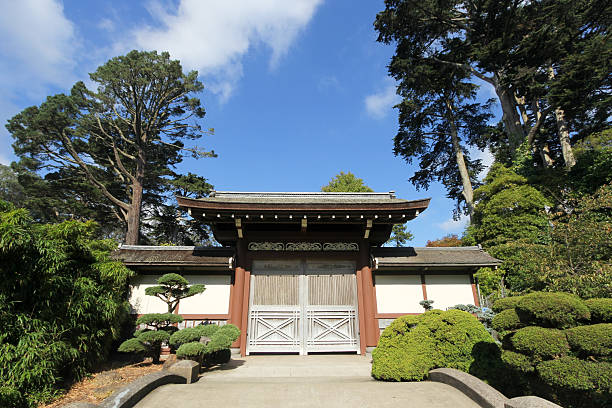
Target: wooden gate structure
302, 306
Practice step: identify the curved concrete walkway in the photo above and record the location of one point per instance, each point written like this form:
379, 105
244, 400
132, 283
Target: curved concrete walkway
321, 381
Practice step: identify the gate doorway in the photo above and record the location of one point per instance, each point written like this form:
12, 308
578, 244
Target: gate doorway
303, 306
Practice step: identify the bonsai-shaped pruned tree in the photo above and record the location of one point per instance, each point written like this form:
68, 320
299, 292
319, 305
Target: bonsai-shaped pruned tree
158, 326
171, 288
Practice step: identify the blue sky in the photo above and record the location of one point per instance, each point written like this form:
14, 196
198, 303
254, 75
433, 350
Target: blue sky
296, 91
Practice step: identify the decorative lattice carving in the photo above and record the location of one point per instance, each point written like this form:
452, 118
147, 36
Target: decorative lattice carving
303, 246
340, 246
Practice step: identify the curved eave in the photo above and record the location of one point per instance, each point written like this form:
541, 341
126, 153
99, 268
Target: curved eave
394, 209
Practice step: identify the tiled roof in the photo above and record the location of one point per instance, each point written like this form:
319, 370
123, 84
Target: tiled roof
141, 255
388, 257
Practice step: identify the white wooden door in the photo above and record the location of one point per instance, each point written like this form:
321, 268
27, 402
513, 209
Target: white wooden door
303, 306
331, 307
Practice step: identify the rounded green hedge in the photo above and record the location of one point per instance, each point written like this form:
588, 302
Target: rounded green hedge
517, 361
505, 303
155, 319
208, 330
601, 309
593, 340
567, 372
154, 336
193, 350
540, 342
413, 345
506, 320
132, 345
187, 335
557, 310
230, 331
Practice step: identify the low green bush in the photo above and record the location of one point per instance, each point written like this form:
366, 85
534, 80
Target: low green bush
159, 320
133, 345
194, 350
601, 309
506, 320
557, 310
413, 345
593, 340
230, 331
506, 303
517, 361
540, 343
187, 335
208, 330
567, 372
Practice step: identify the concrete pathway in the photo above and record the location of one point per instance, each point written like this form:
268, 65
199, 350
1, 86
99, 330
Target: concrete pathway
321, 381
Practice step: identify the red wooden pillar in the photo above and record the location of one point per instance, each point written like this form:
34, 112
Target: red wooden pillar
367, 315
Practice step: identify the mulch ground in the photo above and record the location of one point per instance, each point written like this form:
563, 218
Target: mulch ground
102, 384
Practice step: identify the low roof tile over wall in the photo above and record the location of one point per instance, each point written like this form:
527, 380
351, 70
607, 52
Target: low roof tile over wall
142, 255
473, 256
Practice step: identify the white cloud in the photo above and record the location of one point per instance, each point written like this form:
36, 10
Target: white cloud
212, 37
37, 51
380, 103
106, 24
452, 225
486, 158
38, 44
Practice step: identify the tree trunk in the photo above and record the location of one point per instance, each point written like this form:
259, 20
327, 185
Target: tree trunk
564, 138
133, 231
510, 117
133, 221
468, 192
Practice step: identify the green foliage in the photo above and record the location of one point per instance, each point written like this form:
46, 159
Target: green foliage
399, 235
506, 320
133, 345
231, 331
575, 375
427, 304
559, 310
540, 343
506, 303
208, 330
413, 345
62, 304
97, 153
159, 320
171, 288
601, 309
508, 209
593, 168
187, 335
593, 340
571, 366
517, 361
154, 336
193, 350
346, 182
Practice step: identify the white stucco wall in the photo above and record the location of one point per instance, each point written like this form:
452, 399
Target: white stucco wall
398, 294
449, 290
141, 303
214, 300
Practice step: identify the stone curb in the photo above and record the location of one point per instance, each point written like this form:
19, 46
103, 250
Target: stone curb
481, 393
129, 395
530, 402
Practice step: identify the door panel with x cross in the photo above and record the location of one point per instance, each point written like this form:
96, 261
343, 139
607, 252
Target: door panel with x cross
303, 306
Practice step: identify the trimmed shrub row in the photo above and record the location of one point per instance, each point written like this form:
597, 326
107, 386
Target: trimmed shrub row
413, 345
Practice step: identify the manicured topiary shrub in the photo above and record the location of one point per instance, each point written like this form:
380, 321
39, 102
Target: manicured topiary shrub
193, 351
187, 335
506, 320
557, 310
230, 331
413, 345
601, 309
506, 303
133, 345
593, 340
540, 342
517, 361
